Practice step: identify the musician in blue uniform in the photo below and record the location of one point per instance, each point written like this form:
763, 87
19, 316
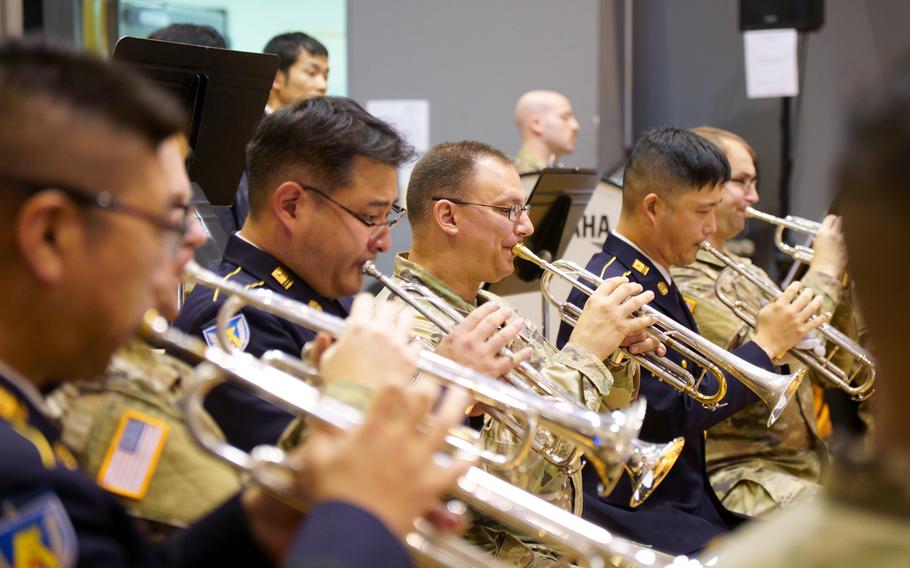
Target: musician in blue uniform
323, 187
673, 181
84, 198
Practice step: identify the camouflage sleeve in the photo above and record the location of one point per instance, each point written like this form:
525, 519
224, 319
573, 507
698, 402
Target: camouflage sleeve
826, 286
716, 322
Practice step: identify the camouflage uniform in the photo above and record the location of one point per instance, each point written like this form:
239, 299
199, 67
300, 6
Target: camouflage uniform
575, 369
528, 162
186, 482
860, 519
753, 468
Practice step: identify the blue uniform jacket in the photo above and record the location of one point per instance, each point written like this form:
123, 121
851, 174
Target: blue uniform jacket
245, 419
93, 529
683, 513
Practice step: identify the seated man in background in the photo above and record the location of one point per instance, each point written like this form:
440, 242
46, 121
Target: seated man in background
860, 518
466, 207
548, 130
84, 193
303, 73
753, 468
672, 184
323, 187
193, 34
142, 387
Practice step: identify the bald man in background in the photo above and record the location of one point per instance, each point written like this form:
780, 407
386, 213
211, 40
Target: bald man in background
548, 130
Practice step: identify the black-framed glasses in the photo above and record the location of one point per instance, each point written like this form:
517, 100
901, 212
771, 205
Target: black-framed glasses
513, 212
392, 217
104, 200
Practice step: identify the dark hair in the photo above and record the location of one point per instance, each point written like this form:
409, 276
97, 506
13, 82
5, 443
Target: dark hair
443, 172
669, 161
36, 70
193, 34
288, 47
322, 135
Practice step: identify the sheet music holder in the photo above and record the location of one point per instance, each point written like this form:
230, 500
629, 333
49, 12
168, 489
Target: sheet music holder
557, 202
223, 91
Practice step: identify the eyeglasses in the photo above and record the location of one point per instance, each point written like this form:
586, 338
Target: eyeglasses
104, 200
513, 211
392, 217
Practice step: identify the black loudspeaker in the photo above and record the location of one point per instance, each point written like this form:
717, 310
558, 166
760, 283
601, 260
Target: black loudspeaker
804, 15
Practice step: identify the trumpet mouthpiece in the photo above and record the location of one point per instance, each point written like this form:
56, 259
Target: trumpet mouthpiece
522, 251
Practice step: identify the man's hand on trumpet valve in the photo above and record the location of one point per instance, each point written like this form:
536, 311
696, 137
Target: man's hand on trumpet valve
830, 251
606, 322
785, 322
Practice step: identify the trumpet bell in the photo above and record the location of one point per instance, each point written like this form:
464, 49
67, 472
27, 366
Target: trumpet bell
649, 465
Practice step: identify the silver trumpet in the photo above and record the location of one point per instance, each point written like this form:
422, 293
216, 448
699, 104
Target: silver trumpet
604, 438
801, 253
648, 464
582, 541
774, 389
834, 375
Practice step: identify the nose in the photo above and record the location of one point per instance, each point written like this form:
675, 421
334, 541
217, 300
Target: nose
710, 226
752, 194
195, 235
322, 83
380, 240
524, 227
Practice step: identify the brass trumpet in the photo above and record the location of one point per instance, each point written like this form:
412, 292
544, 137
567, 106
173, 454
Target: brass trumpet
801, 253
604, 438
775, 390
586, 543
834, 375
648, 464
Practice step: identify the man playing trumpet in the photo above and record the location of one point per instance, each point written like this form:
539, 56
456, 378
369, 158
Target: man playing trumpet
673, 182
467, 210
753, 468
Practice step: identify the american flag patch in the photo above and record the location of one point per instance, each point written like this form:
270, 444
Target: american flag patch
133, 454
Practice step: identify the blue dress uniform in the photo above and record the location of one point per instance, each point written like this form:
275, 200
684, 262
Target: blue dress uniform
52, 514
245, 419
683, 513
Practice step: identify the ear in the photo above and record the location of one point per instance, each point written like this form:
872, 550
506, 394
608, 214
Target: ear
287, 204
46, 230
444, 215
280, 80
536, 124
653, 207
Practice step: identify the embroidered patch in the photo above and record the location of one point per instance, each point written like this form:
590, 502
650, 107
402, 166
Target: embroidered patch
238, 333
641, 267
133, 455
282, 278
663, 288
691, 303
38, 534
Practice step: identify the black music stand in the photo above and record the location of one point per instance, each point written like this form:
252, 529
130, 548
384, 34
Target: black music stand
224, 93
557, 202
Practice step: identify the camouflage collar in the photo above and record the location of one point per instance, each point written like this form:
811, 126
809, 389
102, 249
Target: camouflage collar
527, 161
437, 286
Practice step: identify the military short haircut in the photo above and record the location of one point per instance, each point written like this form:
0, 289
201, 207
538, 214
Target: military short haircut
289, 46
720, 138
670, 161
193, 34
445, 171
322, 135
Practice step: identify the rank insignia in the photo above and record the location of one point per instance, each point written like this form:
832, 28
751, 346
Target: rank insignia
37, 534
282, 278
238, 333
663, 288
641, 267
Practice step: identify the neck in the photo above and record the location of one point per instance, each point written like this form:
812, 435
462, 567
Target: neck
644, 237
264, 235
537, 147
274, 102
448, 267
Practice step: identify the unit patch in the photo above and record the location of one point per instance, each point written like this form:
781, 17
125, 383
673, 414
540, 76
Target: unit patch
133, 455
238, 333
38, 534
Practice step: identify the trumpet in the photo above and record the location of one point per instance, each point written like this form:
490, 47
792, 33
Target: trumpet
587, 543
800, 253
831, 373
648, 464
604, 438
774, 389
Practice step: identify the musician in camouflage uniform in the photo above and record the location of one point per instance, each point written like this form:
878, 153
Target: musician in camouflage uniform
143, 385
548, 130
753, 468
465, 203
861, 517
